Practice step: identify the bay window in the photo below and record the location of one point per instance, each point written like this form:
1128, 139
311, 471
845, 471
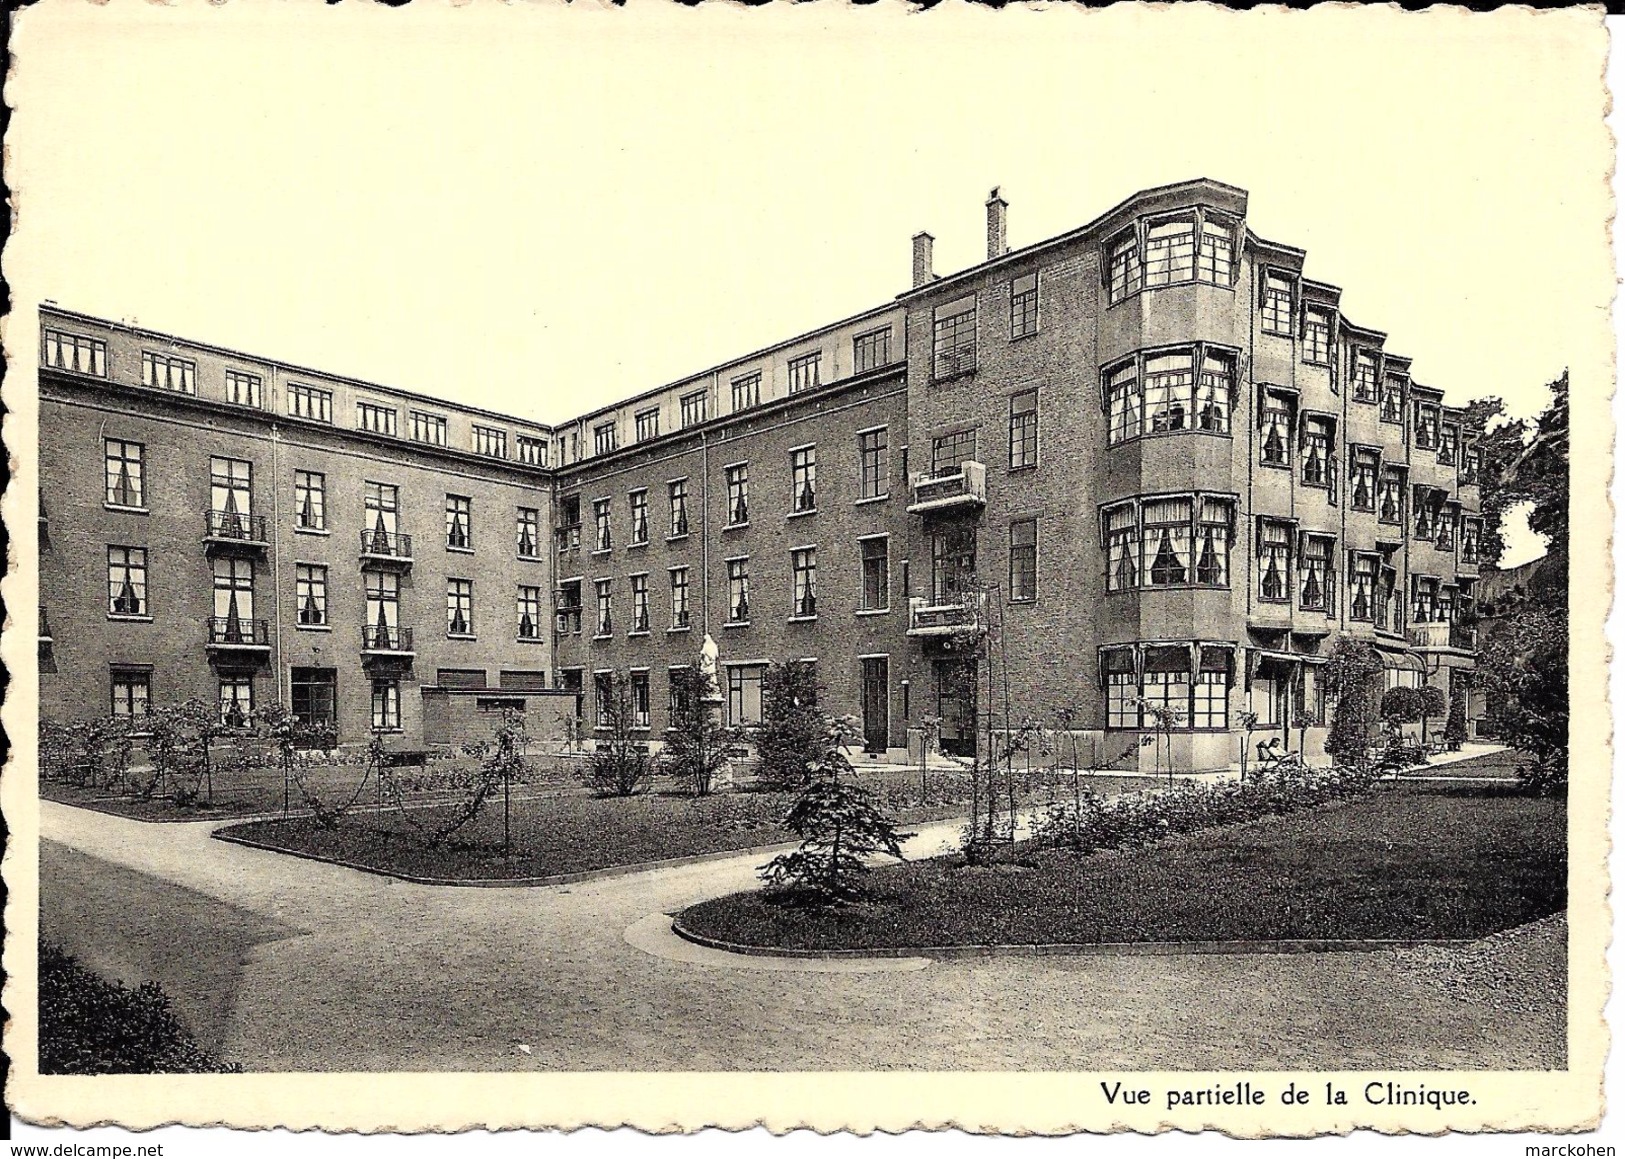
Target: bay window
1168, 541
1189, 389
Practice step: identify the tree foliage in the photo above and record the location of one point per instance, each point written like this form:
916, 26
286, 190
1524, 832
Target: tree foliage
792, 733
1353, 676
697, 744
1401, 705
619, 765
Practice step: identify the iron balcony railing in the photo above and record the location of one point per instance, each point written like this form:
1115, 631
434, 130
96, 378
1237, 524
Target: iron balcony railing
1436, 637
386, 544
385, 638
236, 632
235, 525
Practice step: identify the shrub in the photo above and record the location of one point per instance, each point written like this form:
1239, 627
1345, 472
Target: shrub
1433, 707
697, 743
839, 824
1455, 726
619, 765
792, 731
1352, 673
1401, 705
89, 1025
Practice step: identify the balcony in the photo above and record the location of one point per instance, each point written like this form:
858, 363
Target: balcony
231, 531
965, 489
386, 549
1443, 638
962, 618
383, 641
232, 635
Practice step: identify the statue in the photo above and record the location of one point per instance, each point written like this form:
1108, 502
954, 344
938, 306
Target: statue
708, 670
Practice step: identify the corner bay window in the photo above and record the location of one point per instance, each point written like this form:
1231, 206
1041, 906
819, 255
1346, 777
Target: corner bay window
1190, 685
1170, 391
1168, 541
1198, 247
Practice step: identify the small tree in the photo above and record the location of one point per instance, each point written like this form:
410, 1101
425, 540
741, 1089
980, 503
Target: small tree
1248, 721
1399, 706
1353, 672
507, 764
697, 743
839, 824
1433, 705
619, 766
1455, 727
791, 736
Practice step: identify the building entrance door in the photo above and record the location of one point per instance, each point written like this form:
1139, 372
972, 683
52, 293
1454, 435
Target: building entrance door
876, 704
956, 705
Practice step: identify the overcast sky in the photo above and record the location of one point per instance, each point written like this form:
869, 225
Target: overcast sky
542, 211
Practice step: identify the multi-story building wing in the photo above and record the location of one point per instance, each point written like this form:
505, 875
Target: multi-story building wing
1149, 458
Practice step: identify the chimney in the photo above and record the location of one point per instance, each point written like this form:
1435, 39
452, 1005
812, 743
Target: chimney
922, 259
997, 209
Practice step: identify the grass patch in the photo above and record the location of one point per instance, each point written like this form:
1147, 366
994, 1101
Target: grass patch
1411, 860
577, 833
89, 1025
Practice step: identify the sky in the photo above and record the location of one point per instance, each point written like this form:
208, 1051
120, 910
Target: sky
543, 210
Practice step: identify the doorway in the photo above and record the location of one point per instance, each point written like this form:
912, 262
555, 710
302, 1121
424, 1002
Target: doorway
876, 704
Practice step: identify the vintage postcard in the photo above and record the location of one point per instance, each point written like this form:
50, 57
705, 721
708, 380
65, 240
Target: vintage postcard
833, 566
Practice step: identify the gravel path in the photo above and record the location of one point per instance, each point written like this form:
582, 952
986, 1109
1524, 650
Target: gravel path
384, 975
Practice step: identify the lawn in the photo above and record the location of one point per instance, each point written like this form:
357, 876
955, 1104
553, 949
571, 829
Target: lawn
576, 832
1409, 861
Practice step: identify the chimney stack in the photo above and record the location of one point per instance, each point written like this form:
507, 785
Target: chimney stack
922, 259
997, 209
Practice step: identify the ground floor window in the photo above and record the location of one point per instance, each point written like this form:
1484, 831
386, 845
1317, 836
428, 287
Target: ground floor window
315, 697
131, 692
386, 705
745, 694
603, 696
640, 699
236, 700
1191, 685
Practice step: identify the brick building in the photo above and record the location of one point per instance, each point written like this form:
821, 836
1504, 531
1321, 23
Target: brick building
1146, 461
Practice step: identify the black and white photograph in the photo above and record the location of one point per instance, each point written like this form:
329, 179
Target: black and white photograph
1016, 562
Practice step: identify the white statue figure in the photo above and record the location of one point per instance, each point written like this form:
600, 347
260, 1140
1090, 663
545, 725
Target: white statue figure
708, 668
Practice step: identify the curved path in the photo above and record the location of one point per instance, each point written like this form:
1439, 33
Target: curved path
369, 973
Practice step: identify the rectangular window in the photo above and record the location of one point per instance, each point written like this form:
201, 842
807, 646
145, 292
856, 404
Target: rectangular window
600, 525
315, 697
1362, 586
1449, 440
310, 402
871, 350
1316, 452
1363, 377
1471, 533
951, 451
646, 424
1275, 431
1393, 401
677, 500
1170, 252
529, 609
804, 581
1167, 685
1024, 430
744, 694
679, 597
167, 372
1424, 600
1365, 465
738, 591
804, 479
386, 705
640, 603
1274, 561
130, 692
230, 496
567, 601
1315, 581
459, 522
1426, 427
1425, 510
876, 594
1024, 307
804, 372
429, 428
1216, 261
1165, 541
234, 600
1275, 309
953, 343
1024, 560
1317, 337
1125, 403
1126, 271
1470, 466
1391, 496
637, 503
243, 388
490, 442
606, 619
603, 438
370, 416
603, 696
1122, 708
747, 391
874, 464
127, 581
1449, 517
692, 408
737, 478
1210, 698
1214, 389
310, 500
126, 473
528, 533
1169, 392
75, 352
310, 594
459, 607
1121, 526
638, 689
1214, 520
382, 626
531, 451
382, 502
